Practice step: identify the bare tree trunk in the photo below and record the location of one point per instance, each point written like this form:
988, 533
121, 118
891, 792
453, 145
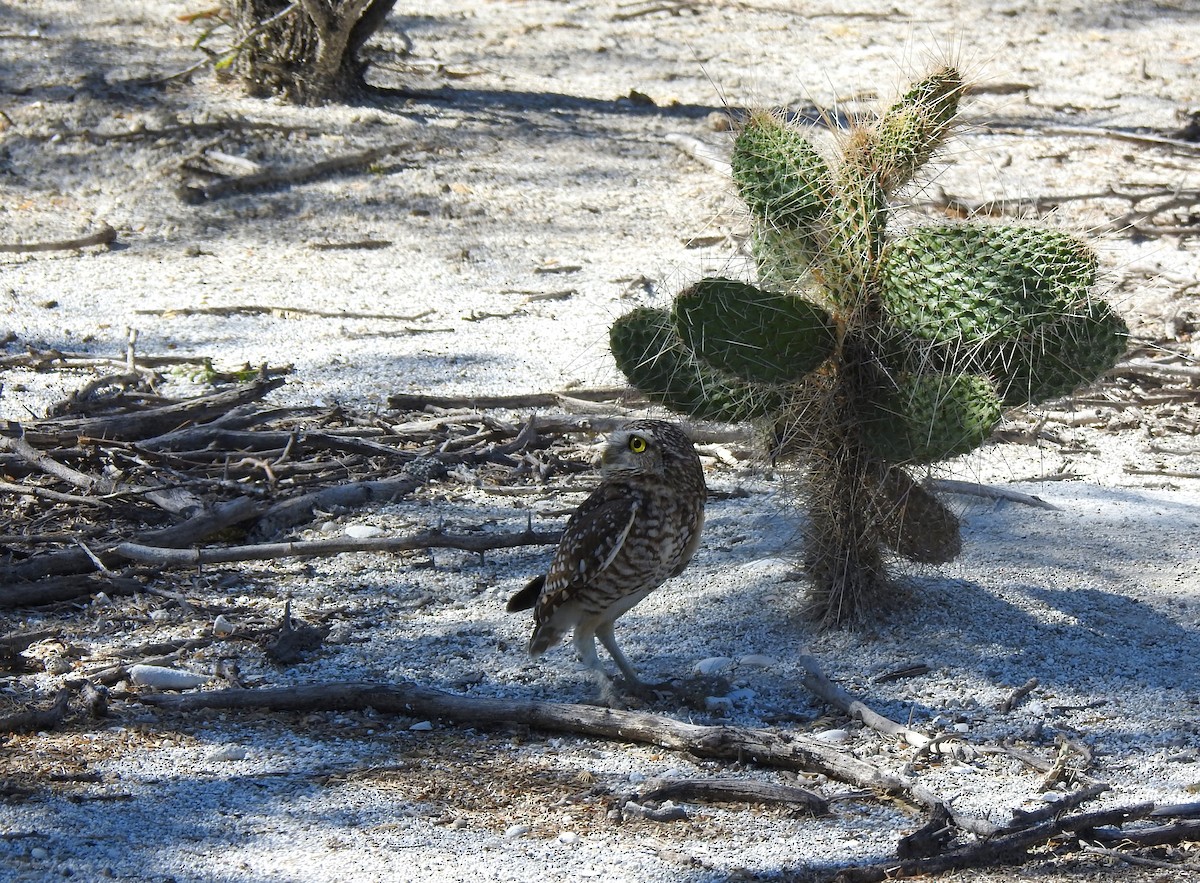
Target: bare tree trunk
304, 50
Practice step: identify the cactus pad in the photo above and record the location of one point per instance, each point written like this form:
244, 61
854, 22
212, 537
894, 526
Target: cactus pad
974, 284
779, 173
914, 523
930, 417
756, 335
650, 354
914, 127
1060, 355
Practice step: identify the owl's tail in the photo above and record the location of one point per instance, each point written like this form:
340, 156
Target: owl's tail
544, 633
527, 597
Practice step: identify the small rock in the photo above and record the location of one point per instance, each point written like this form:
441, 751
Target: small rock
57, 665
222, 627
362, 531
163, 678
718, 704
758, 660
515, 831
667, 812
422, 727
340, 633
962, 728
713, 665
834, 737
39, 854
568, 837
228, 753
459, 823
742, 694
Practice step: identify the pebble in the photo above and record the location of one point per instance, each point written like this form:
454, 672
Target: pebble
165, 678
568, 837
758, 660
515, 831
362, 531
228, 753
713, 665
422, 727
668, 812
39, 854
834, 737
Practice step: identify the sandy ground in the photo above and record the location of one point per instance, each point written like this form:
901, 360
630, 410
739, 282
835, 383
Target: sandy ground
536, 193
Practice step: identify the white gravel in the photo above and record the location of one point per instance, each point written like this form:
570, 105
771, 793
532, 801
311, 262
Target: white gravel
542, 179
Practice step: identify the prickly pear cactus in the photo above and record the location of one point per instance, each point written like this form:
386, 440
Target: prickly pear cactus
868, 353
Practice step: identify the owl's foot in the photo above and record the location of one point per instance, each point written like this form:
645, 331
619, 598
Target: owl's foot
696, 692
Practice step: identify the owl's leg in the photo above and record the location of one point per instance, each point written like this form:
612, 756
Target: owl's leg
604, 632
585, 645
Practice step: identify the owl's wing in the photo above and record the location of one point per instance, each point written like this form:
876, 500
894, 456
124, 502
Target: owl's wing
592, 539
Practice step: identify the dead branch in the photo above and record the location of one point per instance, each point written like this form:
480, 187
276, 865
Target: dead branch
56, 589
355, 495
1003, 849
1147, 368
275, 179
429, 539
1141, 861
76, 561
764, 747
41, 360
106, 235
817, 683
352, 245
733, 791
1022, 819
50, 466
153, 421
1158, 835
33, 490
1010, 701
974, 489
39, 719
278, 312
421, 402
221, 440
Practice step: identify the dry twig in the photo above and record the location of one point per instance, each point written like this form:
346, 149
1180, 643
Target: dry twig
106, 235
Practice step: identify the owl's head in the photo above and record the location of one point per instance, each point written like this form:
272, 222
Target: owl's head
646, 447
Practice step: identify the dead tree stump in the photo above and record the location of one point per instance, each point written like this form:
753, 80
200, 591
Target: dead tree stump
305, 51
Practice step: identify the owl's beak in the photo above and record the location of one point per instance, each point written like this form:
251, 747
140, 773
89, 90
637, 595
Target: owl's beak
600, 453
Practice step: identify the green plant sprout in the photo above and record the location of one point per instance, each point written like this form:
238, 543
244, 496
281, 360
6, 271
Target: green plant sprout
868, 351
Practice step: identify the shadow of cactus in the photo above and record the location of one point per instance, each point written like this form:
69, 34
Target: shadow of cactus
868, 351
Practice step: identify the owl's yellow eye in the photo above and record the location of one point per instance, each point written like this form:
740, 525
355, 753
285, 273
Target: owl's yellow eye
637, 444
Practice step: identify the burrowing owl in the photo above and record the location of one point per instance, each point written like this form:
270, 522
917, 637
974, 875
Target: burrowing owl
639, 528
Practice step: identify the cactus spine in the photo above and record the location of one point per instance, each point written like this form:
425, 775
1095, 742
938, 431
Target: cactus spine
868, 353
